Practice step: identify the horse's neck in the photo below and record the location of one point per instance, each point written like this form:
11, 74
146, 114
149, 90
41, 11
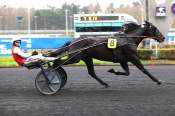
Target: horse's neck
134, 36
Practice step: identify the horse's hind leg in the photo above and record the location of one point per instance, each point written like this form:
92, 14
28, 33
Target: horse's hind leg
124, 66
90, 67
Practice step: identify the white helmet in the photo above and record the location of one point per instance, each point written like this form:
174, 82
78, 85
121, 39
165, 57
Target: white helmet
15, 40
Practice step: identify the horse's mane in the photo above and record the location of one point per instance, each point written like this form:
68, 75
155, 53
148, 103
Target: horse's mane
67, 43
130, 26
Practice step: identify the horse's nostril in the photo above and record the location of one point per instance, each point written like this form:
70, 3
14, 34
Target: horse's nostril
162, 38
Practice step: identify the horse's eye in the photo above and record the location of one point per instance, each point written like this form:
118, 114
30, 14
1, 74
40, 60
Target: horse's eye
158, 33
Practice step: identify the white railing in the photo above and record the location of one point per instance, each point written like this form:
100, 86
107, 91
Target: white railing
172, 30
35, 32
45, 31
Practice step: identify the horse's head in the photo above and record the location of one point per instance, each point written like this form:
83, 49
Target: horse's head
152, 31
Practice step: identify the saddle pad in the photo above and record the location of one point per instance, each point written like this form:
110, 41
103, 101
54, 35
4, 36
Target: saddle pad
112, 43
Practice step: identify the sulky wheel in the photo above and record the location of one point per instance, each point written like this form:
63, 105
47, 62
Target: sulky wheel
51, 84
63, 74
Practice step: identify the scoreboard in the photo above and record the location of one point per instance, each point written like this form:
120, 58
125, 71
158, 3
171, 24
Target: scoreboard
98, 18
99, 24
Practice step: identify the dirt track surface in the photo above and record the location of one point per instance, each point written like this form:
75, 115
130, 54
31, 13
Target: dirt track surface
135, 95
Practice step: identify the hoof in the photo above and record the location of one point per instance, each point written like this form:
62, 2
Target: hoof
159, 82
111, 70
106, 85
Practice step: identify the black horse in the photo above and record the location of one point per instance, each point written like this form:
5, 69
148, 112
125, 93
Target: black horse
86, 49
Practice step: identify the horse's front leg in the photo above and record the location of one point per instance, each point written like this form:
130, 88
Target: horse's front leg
124, 66
135, 60
91, 71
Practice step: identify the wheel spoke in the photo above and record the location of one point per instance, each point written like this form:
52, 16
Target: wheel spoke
51, 88
44, 86
55, 83
52, 78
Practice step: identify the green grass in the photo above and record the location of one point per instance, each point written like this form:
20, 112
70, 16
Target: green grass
8, 61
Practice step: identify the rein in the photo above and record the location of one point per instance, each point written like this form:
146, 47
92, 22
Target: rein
97, 44
138, 36
81, 49
75, 53
94, 45
78, 51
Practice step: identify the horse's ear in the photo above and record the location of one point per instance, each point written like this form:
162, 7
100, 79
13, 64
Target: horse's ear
146, 22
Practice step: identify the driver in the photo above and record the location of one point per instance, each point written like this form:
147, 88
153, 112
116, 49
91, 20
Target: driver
23, 58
